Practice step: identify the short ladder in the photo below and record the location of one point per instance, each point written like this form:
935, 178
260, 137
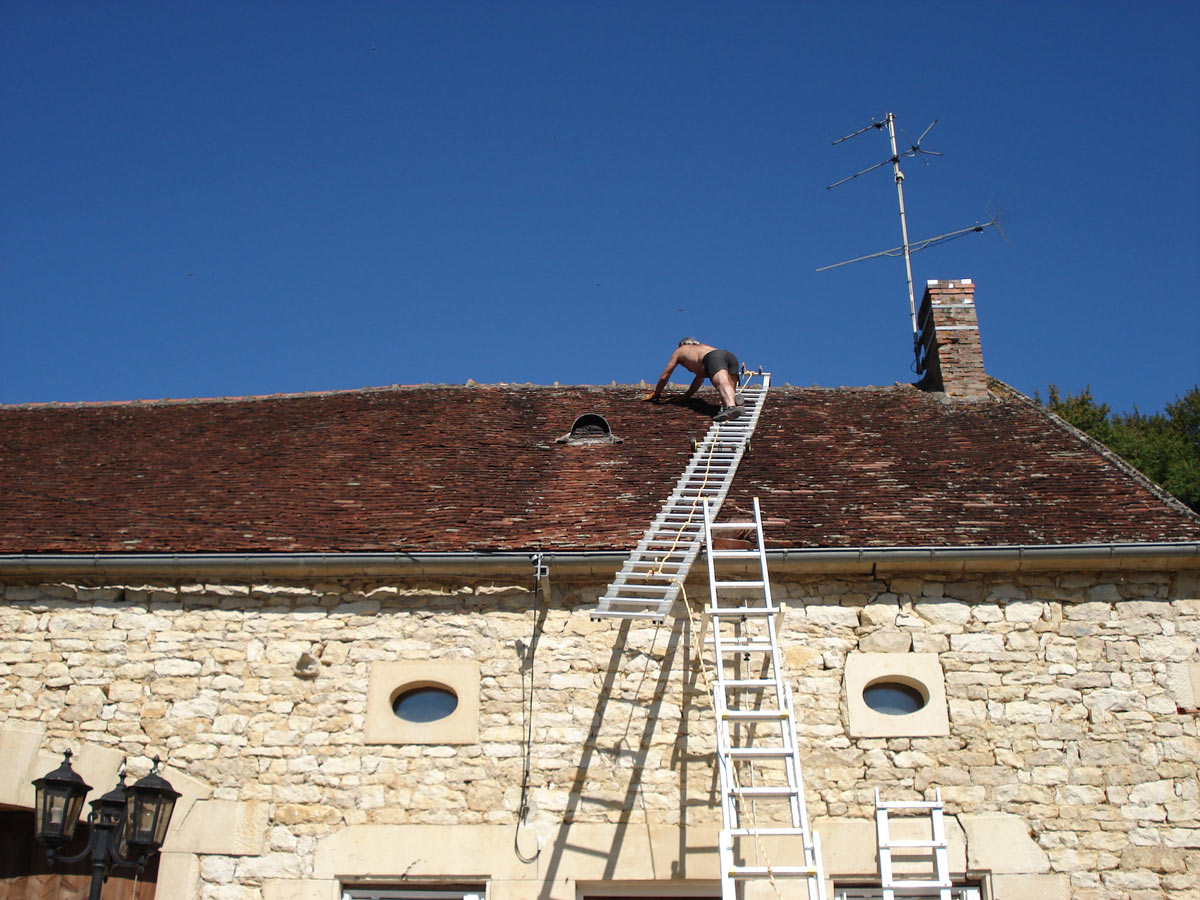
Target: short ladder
913, 851
648, 583
757, 754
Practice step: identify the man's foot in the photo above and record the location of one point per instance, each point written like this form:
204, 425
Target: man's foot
729, 412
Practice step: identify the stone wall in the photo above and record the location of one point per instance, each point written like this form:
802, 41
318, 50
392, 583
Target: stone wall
1064, 695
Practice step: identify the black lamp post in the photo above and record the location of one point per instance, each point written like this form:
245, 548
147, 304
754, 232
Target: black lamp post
128, 824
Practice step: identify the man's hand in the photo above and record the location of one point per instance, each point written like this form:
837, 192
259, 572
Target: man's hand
651, 398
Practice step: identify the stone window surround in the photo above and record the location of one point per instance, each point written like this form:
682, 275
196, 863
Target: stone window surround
921, 671
414, 891
390, 679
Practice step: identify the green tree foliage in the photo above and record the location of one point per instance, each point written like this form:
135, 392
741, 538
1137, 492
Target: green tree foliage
1165, 447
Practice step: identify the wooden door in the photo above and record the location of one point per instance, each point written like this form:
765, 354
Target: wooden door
26, 875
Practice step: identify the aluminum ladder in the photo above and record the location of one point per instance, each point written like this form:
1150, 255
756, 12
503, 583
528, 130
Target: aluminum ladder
757, 754
913, 851
649, 581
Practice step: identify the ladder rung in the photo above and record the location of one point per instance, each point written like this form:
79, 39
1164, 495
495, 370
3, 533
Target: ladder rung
743, 611
927, 844
734, 554
914, 885
628, 614
760, 791
736, 585
747, 715
744, 647
760, 752
780, 831
748, 682
732, 526
778, 871
909, 804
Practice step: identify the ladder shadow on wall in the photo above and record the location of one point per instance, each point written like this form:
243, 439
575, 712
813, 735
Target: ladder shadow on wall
599, 744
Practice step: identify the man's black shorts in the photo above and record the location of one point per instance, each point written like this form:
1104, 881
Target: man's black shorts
716, 360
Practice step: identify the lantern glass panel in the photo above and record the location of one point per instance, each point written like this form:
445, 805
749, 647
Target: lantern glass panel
147, 815
139, 819
166, 806
57, 808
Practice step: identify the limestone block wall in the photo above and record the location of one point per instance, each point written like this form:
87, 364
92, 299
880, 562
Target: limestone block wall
1070, 707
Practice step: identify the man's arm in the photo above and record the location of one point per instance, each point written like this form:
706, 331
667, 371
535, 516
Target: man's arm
665, 376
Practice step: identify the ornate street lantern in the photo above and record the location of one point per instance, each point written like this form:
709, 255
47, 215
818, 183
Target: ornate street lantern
59, 798
148, 807
127, 825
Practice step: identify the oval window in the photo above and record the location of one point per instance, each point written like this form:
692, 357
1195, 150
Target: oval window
424, 704
893, 698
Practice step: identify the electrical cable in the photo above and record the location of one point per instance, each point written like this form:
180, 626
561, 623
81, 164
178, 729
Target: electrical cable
527, 722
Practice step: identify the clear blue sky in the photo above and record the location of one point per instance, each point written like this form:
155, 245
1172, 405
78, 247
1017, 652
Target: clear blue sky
238, 198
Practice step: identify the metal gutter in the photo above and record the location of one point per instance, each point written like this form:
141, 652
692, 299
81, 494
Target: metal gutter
795, 561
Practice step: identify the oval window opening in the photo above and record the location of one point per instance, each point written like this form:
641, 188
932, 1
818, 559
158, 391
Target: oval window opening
893, 698
424, 704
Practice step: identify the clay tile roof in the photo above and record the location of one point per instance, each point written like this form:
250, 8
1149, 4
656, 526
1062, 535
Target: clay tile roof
443, 468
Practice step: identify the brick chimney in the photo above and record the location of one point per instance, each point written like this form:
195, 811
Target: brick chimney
949, 353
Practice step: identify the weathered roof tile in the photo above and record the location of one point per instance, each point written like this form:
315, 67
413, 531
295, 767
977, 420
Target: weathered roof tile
477, 468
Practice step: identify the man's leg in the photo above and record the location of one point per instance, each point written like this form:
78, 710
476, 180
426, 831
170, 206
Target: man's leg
725, 386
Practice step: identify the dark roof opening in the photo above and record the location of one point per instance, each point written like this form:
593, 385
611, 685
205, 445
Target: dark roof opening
590, 428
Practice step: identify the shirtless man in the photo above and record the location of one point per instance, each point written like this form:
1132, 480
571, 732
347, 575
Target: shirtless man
720, 366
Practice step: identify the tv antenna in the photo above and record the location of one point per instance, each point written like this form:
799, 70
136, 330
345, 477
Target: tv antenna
907, 248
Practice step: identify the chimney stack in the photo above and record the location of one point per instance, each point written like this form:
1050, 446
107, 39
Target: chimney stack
949, 353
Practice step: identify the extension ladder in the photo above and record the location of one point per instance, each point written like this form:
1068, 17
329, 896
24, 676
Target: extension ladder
649, 581
913, 850
757, 754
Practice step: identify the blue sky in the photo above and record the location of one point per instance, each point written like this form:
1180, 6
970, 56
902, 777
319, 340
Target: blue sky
247, 198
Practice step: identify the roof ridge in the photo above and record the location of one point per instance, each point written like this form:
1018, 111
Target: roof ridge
234, 398
379, 389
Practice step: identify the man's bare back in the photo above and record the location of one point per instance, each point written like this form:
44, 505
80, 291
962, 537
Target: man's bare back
691, 357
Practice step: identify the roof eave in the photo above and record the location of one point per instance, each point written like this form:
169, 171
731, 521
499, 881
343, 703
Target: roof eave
1159, 556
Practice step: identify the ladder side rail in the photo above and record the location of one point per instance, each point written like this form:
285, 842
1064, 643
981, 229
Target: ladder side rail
816, 891
781, 689
883, 840
729, 808
725, 854
720, 704
941, 856
783, 692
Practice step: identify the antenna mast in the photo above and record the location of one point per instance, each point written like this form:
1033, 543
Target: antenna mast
889, 122
899, 176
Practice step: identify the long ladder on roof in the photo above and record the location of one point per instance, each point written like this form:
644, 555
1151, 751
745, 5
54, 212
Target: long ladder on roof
929, 855
649, 581
766, 834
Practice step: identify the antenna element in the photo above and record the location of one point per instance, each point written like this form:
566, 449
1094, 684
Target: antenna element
907, 248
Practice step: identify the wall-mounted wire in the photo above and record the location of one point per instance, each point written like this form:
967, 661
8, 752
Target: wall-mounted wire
541, 579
